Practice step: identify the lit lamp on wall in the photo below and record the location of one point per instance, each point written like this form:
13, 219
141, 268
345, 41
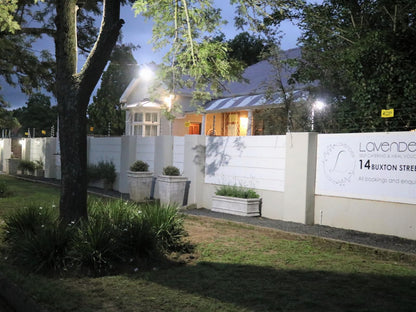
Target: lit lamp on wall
318, 105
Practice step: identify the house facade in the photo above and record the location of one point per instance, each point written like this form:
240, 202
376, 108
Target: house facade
229, 115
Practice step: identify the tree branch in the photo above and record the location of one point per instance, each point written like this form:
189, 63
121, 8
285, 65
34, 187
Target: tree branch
37, 31
100, 53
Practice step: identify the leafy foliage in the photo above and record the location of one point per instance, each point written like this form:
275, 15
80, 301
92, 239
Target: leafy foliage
359, 51
247, 48
139, 165
35, 238
105, 113
26, 166
167, 225
117, 233
236, 191
171, 171
38, 114
194, 59
104, 170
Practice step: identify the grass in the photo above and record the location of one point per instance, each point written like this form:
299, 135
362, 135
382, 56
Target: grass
236, 267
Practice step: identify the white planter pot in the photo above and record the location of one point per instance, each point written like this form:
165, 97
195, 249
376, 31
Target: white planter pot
140, 184
237, 206
171, 189
39, 173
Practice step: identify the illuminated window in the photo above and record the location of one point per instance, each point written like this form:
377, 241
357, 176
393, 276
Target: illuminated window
146, 124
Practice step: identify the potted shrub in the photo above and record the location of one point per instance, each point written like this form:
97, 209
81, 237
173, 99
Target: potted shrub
236, 200
12, 165
102, 175
171, 186
39, 171
27, 167
140, 181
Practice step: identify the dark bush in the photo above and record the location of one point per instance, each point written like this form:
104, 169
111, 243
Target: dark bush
139, 165
171, 171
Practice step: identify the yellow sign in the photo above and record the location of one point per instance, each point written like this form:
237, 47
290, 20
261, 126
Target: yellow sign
91, 129
26, 133
43, 132
387, 113
187, 124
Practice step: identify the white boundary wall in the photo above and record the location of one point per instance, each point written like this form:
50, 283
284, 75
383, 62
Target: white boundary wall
5, 153
178, 152
367, 182
364, 182
252, 161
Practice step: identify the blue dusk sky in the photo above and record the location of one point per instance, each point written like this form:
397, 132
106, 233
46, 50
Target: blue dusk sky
139, 32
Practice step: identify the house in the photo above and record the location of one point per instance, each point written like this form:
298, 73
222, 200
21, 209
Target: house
229, 115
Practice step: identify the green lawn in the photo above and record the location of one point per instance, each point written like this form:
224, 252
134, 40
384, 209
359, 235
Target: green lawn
234, 268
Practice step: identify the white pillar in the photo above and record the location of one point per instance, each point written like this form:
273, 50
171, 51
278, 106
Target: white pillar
249, 122
203, 124
299, 196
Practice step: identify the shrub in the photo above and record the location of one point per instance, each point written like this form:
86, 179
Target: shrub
139, 165
38, 164
236, 191
36, 239
171, 171
167, 224
102, 171
116, 233
26, 165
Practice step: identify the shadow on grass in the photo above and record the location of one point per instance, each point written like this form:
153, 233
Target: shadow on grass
266, 289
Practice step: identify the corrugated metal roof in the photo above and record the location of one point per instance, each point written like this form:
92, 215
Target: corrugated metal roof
249, 102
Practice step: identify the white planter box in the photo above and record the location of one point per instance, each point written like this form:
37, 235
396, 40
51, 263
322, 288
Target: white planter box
171, 189
140, 184
237, 206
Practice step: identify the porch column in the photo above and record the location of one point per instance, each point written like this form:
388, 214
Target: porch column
249, 121
128, 129
203, 124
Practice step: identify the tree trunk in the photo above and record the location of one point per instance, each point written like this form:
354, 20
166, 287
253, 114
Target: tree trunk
73, 91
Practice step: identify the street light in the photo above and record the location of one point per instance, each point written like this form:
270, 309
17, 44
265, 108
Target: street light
317, 105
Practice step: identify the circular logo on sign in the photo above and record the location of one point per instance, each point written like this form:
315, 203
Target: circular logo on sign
339, 163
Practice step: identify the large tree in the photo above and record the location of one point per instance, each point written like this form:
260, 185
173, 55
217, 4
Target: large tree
105, 113
186, 24
37, 115
362, 53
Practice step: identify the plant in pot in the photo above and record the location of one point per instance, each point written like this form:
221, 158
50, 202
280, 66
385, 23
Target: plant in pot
39, 171
237, 200
140, 181
26, 167
172, 186
102, 175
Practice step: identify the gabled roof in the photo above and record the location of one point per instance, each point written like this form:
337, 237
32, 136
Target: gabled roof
258, 80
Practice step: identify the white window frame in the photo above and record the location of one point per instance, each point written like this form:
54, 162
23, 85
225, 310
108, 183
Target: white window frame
150, 119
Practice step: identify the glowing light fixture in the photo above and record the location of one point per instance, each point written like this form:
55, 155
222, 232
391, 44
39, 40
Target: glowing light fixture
146, 73
317, 105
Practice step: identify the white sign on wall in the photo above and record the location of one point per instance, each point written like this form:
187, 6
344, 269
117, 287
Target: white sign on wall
378, 166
